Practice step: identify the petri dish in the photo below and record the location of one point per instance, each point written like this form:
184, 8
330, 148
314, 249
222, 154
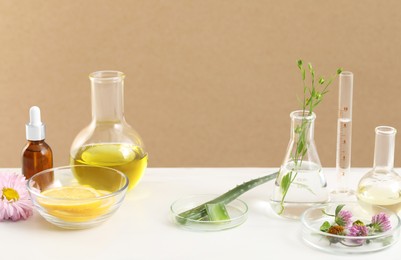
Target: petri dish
237, 211
314, 217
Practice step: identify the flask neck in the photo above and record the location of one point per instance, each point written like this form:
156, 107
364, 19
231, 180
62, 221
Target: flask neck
302, 125
107, 88
384, 148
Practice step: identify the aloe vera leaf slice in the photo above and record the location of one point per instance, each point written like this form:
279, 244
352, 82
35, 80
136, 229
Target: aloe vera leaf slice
217, 212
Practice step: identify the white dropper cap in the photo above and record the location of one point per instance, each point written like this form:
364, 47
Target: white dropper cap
35, 130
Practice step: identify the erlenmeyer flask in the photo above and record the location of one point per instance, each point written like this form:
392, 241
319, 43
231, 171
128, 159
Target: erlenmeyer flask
381, 186
300, 183
108, 140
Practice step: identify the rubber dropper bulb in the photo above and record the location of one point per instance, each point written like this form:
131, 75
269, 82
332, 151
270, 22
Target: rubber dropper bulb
35, 129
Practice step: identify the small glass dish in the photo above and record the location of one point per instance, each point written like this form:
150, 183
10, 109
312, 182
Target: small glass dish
78, 196
237, 211
313, 218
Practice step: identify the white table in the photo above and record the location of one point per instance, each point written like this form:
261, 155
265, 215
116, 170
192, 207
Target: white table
141, 228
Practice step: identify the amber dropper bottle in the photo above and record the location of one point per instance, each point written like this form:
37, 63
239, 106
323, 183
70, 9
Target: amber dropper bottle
36, 155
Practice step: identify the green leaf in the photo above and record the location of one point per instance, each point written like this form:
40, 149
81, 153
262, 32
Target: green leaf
321, 81
304, 152
300, 146
339, 208
325, 226
303, 74
199, 212
339, 70
285, 182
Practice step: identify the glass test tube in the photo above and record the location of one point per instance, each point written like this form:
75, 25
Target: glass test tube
344, 132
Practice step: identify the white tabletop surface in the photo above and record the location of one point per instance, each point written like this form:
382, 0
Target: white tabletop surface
141, 228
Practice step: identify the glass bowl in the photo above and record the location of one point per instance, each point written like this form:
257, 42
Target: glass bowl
237, 211
313, 218
77, 196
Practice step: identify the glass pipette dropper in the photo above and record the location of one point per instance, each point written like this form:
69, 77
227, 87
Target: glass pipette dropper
344, 134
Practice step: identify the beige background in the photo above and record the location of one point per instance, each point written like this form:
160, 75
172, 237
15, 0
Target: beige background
209, 83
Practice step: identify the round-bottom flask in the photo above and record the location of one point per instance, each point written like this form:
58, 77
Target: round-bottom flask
108, 140
300, 183
381, 186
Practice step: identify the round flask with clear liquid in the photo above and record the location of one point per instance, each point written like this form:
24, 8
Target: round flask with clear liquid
108, 140
381, 186
301, 171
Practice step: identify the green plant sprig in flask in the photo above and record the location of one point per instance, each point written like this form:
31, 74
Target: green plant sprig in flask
312, 96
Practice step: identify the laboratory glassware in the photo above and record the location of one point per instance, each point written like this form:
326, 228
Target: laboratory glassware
109, 141
381, 186
343, 191
302, 168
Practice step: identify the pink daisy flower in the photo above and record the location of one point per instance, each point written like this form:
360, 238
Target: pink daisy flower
15, 203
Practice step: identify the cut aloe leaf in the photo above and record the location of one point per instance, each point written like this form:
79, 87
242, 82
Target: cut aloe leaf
200, 212
217, 212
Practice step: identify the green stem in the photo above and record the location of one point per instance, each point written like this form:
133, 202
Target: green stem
285, 191
298, 158
200, 212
